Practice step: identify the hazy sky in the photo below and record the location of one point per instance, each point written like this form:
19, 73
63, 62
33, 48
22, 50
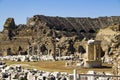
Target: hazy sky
21, 9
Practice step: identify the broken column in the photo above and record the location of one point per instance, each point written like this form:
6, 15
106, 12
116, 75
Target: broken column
75, 74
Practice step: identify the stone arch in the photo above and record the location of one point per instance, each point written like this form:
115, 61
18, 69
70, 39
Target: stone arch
82, 31
81, 49
44, 31
73, 30
92, 31
65, 29
58, 28
50, 27
9, 51
43, 49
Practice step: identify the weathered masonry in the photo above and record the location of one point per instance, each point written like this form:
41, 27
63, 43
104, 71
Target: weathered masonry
93, 50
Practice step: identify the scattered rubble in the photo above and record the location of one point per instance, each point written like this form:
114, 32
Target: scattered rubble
17, 72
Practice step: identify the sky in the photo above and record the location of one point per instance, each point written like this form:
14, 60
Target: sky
21, 9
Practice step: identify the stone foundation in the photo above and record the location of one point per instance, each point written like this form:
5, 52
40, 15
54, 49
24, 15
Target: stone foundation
92, 64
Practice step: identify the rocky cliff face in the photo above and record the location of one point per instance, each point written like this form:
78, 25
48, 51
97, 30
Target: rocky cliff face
66, 34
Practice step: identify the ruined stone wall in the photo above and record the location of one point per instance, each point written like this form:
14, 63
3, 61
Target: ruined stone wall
40, 29
74, 24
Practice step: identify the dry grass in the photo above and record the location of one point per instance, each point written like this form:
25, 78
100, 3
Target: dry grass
57, 66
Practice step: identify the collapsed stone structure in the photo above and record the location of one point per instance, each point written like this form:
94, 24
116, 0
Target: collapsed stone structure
70, 33
9, 27
63, 36
17, 72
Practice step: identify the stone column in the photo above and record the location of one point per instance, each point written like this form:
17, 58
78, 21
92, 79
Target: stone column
38, 49
19, 52
75, 74
33, 50
48, 52
95, 56
59, 52
10, 77
54, 49
99, 53
90, 52
28, 50
87, 51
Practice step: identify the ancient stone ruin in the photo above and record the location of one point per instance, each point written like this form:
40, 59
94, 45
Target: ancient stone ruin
93, 52
65, 36
40, 30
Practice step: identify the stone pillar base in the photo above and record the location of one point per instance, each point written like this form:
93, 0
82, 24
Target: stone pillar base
93, 64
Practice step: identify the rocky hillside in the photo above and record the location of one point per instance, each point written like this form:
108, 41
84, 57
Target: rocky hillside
67, 34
